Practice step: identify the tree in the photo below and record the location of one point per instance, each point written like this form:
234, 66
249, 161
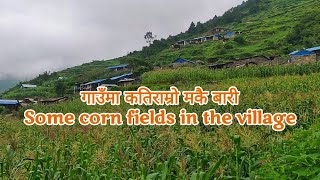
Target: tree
200, 27
192, 28
140, 70
149, 37
60, 88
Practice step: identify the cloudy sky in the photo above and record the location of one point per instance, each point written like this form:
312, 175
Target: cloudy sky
50, 35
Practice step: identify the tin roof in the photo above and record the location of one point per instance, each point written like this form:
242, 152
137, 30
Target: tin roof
116, 78
127, 80
302, 53
95, 82
118, 66
9, 102
180, 60
28, 86
314, 49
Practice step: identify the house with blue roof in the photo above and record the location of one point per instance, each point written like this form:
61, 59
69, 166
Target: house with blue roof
10, 104
92, 86
229, 35
302, 56
315, 50
181, 62
119, 67
123, 76
123, 80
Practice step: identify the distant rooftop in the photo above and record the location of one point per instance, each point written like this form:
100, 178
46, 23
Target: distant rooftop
230, 33
121, 77
314, 49
127, 80
180, 60
118, 66
95, 82
9, 102
28, 86
302, 53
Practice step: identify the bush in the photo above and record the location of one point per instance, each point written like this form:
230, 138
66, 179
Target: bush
240, 39
2, 109
60, 88
140, 70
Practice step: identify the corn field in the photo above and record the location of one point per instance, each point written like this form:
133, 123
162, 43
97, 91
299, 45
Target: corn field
177, 152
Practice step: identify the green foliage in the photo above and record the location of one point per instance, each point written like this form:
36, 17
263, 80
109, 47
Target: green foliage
200, 74
177, 152
149, 37
304, 31
41, 78
2, 109
140, 70
240, 40
228, 45
296, 158
42, 91
192, 28
136, 62
60, 88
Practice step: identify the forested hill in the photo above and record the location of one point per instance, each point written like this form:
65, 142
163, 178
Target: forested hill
269, 27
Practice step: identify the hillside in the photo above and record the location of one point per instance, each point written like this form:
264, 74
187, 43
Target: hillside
178, 152
269, 27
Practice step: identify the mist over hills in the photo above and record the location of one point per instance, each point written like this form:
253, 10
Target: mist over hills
6, 84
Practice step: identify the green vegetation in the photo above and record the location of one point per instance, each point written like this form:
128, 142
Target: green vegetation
204, 76
199, 152
270, 27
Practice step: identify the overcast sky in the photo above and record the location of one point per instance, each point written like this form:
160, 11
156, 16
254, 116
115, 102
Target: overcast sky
50, 35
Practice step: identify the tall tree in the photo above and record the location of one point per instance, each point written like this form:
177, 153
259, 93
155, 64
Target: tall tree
60, 88
192, 28
149, 37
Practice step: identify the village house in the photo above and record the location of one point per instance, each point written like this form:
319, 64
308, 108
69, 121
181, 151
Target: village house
11, 105
109, 85
53, 100
249, 61
27, 86
181, 62
229, 35
181, 43
219, 65
315, 50
27, 101
219, 30
217, 34
116, 79
92, 86
253, 60
126, 82
112, 82
303, 56
119, 67
196, 40
215, 37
